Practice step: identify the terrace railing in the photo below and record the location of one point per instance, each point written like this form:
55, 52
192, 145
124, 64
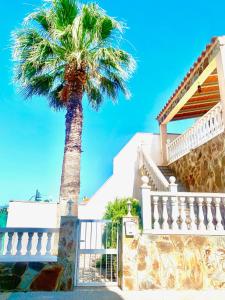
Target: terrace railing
156, 176
182, 212
27, 244
204, 129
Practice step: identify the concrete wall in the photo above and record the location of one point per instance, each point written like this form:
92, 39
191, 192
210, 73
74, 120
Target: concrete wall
203, 169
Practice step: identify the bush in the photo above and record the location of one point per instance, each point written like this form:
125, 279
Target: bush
115, 211
118, 209
3, 217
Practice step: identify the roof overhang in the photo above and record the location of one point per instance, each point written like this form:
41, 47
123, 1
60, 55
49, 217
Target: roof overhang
199, 91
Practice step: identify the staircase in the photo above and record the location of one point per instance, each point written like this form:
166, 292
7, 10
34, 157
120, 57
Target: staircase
167, 172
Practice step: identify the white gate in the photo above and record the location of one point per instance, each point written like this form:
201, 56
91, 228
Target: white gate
97, 253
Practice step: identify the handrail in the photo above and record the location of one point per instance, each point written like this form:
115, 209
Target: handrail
204, 129
156, 175
27, 229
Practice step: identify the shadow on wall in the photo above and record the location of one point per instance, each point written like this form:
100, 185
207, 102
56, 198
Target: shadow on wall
78, 293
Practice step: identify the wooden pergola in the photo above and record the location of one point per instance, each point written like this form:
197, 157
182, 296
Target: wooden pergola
201, 89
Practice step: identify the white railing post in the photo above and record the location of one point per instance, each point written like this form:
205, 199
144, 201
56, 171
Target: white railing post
156, 213
165, 224
49, 243
172, 184
182, 213
29, 243
193, 226
219, 225
146, 205
39, 243
210, 225
9, 245
19, 243
174, 204
201, 225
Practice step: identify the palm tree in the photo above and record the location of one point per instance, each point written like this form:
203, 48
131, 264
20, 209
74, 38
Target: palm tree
66, 50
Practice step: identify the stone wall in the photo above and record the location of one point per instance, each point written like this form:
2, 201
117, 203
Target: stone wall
44, 276
173, 262
203, 169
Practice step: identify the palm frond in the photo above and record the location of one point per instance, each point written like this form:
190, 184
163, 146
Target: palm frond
64, 33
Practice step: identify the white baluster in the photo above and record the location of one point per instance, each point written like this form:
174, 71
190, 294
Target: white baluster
30, 242
39, 243
219, 226
49, 243
165, 224
19, 243
175, 213
192, 213
1, 242
9, 245
183, 224
210, 225
156, 224
201, 225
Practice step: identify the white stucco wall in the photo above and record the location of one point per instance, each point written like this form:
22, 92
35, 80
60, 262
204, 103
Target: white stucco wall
32, 214
124, 182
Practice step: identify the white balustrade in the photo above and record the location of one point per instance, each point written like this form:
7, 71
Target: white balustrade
27, 244
183, 212
203, 130
157, 178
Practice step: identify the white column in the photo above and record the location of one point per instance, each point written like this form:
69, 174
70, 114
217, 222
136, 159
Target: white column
220, 63
163, 141
146, 205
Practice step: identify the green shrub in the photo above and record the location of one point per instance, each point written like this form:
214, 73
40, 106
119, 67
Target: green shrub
115, 211
118, 209
3, 217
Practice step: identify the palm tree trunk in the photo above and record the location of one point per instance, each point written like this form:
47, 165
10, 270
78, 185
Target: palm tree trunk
70, 180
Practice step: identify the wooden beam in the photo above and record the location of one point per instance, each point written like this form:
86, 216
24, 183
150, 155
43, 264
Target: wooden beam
220, 63
200, 80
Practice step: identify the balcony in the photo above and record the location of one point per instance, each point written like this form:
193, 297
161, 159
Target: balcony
204, 129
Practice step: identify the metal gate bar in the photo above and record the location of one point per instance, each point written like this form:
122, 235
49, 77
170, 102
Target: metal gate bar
97, 253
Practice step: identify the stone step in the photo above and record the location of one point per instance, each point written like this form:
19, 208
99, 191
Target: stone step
167, 172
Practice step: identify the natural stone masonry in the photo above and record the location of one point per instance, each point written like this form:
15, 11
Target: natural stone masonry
203, 169
178, 262
44, 276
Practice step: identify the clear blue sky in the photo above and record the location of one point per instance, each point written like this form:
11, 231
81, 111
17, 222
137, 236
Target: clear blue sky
164, 36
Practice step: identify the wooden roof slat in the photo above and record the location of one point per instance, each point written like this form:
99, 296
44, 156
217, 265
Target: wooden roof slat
198, 109
189, 116
199, 91
199, 104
